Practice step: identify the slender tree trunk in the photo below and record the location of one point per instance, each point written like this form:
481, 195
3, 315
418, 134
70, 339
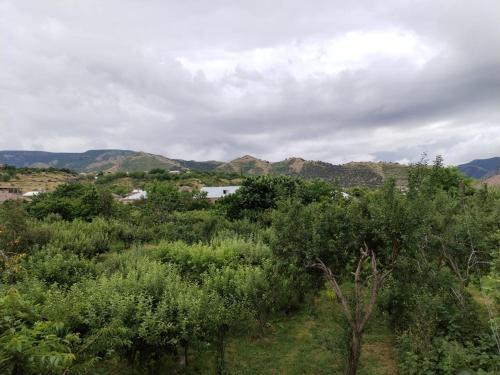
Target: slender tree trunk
354, 354
220, 349
262, 322
17, 370
358, 315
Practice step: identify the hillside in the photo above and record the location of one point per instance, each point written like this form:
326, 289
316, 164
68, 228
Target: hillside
90, 161
351, 174
481, 168
42, 180
246, 165
491, 181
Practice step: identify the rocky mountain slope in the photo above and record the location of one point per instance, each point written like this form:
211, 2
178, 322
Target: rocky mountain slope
491, 181
350, 174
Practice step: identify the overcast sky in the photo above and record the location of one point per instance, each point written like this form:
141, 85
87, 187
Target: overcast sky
198, 79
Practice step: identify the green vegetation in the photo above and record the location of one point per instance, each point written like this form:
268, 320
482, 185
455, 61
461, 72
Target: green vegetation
285, 276
122, 182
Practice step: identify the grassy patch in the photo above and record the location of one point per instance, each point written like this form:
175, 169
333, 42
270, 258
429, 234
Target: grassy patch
310, 341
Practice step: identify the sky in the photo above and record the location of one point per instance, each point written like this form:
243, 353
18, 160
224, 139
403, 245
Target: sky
328, 80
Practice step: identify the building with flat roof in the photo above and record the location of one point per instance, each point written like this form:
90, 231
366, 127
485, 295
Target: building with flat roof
217, 192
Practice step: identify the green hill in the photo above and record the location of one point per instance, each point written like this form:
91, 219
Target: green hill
351, 174
90, 161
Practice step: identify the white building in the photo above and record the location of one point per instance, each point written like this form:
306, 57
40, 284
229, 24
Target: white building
217, 192
31, 194
135, 195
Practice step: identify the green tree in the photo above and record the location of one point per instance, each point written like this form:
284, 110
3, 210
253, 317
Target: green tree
363, 237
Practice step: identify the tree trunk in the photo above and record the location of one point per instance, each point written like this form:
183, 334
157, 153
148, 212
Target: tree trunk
17, 370
354, 354
220, 351
359, 316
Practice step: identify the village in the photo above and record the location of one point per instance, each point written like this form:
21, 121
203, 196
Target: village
29, 185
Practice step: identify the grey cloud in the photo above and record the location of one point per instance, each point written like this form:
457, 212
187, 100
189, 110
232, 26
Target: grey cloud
78, 75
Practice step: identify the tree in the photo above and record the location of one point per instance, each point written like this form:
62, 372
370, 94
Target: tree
257, 195
13, 229
454, 220
163, 199
329, 238
229, 306
72, 201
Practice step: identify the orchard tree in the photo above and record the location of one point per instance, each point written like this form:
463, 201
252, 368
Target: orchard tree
362, 237
163, 199
455, 220
230, 306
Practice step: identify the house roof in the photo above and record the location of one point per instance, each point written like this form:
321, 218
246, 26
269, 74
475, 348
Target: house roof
31, 193
136, 195
219, 191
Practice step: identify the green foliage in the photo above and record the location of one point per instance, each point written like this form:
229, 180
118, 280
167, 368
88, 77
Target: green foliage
334, 231
72, 201
29, 345
143, 288
164, 199
431, 179
263, 193
87, 239
54, 265
14, 228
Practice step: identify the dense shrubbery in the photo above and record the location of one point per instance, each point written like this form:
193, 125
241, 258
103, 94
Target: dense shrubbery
88, 284
73, 201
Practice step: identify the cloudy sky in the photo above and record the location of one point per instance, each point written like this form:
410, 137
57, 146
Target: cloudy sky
195, 79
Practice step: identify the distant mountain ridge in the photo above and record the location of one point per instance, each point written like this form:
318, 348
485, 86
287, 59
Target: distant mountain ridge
481, 168
90, 161
350, 174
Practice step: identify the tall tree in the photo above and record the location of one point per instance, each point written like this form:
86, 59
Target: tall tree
368, 232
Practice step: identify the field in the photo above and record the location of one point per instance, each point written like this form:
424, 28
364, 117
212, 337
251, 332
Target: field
310, 341
39, 181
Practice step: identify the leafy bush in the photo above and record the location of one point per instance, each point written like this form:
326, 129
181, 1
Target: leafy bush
72, 201
30, 345
54, 265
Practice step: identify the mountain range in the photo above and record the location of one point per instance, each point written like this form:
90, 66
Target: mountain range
350, 174
481, 168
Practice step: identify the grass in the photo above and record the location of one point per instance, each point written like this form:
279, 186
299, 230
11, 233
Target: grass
309, 341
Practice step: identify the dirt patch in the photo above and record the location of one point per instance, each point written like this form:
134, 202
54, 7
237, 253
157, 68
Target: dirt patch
297, 165
492, 181
383, 352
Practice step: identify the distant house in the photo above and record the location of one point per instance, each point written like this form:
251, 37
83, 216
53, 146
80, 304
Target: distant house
9, 193
134, 196
174, 172
31, 194
217, 192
